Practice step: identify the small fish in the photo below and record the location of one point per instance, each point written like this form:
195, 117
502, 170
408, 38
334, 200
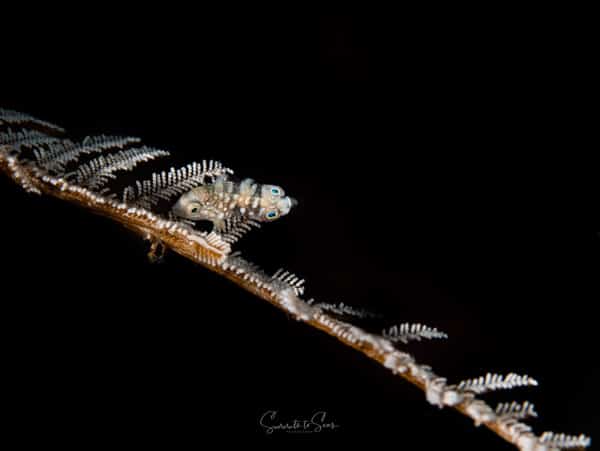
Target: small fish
225, 199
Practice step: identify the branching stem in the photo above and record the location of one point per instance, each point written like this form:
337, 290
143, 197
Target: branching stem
214, 254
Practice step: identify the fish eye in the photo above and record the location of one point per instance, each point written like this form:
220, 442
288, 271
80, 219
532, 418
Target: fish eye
275, 191
194, 209
273, 214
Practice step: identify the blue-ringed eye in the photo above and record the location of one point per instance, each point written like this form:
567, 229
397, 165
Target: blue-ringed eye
272, 214
275, 191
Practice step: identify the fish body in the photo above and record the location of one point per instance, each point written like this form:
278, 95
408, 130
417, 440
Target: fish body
224, 200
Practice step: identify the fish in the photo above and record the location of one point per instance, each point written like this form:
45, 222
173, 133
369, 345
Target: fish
224, 200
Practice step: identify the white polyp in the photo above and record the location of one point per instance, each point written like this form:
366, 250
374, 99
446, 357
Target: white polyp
295, 305
397, 361
452, 397
421, 372
516, 429
480, 412
528, 442
378, 343
434, 390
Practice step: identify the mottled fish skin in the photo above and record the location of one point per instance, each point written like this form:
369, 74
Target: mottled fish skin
225, 199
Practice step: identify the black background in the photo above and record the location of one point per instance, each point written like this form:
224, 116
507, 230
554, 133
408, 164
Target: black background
406, 138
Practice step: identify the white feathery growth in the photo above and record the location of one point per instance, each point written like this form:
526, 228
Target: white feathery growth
492, 381
45, 174
27, 139
344, 309
290, 279
564, 441
9, 138
55, 156
412, 331
235, 260
10, 117
99, 171
516, 410
168, 184
59, 154
236, 227
99, 143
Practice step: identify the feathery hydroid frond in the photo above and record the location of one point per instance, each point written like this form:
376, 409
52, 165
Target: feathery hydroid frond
289, 279
516, 410
409, 331
31, 139
57, 156
166, 185
99, 171
236, 227
13, 139
564, 441
10, 117
100, 143
491, 382
282, 290
343, 309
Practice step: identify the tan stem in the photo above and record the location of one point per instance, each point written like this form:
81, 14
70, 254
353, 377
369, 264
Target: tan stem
212, 258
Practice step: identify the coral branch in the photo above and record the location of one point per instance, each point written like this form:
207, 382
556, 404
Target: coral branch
283, 289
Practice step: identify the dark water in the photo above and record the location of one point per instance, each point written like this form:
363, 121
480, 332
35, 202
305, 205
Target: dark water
404, 142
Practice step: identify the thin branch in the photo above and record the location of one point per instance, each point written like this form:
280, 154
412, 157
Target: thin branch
283, 290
